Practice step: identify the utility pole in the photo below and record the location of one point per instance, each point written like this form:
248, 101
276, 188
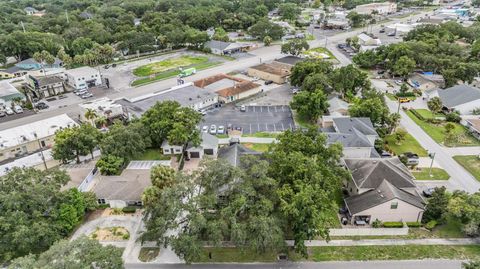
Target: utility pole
41, 150
398, 109
432, 156
23, 26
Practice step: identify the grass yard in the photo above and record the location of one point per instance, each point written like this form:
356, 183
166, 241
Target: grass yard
437, 132
471, 163
406, 252
148, 254
410, 144
301, 121
153, 155
257, 147
437, 174
318, 53
173, 63
235, 255
262, 135
427, 114
221, 135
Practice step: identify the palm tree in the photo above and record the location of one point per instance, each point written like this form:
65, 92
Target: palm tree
395, 121
90, 114
102, 121
43, 58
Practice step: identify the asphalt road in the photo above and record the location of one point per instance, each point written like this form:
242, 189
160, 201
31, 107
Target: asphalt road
424, 264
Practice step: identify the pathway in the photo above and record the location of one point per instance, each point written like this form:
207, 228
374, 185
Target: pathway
390, 242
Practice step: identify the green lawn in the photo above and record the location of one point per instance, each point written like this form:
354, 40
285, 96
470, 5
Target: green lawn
171, 74
437, 132
261, 135
173, 63
471, 163
257, 147
427, 114
300, 121
410, 144
437, 174
315, 53
221, 136
392, 97
235, 255
153, 155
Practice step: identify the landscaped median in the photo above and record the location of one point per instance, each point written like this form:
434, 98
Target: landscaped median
471, 163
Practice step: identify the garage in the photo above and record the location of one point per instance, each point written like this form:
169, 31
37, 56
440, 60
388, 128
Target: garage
194, 154
91, 83
208, 151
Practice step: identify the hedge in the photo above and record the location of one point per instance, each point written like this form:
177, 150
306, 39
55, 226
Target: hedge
414, 224
407, 94
129, 209
393, 224
416, 114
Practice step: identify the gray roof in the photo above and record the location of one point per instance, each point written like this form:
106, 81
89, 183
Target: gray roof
370, 173
383, 193
291, 60
129, 186
215, 44
30, 9
209, 141
348, 125
12, 70
348, 140
42, 81
458, 95
233, 153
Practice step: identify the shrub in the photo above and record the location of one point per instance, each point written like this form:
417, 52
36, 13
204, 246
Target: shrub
434, 121
405, 94
414, 224
126, 236
110, 165
129, 209
453, 117
393, 224
431, 224
94, 236
416, 114
376, 223
103, 206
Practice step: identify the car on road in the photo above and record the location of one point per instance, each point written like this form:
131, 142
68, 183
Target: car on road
385, 154
87, 95
221, 129
115, 65
398, 82
391, 34
428, 192
382, 30
2, 114
205, 129
18, 109
41, 105
213, 129
243, 108
341, 46
268, 82
9, 111
404, 100
106, 66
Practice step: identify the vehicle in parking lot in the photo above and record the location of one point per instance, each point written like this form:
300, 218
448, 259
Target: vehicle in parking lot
80, 92
106, 66
115, 65
382, 30
268, 82
205, 129
404, 100
398, 81
87, 95
385, 154
341, 46
9, 111
18, 109
243, 108
41, 105
221, 129
213, 129
2, 114
391, 34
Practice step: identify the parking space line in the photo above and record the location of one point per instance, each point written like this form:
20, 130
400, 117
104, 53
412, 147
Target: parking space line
258, 127
253, 109
268, 108
250, 128
275, 108
261, 109
283, 128
274, 129
266, 127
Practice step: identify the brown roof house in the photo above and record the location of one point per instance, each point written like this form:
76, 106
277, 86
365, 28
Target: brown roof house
383, 189
275, 72
229, 88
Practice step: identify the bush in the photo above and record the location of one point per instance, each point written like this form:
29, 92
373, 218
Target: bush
129, 209
453, 117
393, 224
376, 223
414, 224
126, 236
416, 114
434, 121
405, 94
110, 165
103, 206
431, 224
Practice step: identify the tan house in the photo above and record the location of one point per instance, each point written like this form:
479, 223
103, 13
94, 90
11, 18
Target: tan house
30, 138
382, 189
474, 126
275, 72
229, 88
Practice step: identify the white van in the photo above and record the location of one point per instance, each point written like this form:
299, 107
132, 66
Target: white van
18, 109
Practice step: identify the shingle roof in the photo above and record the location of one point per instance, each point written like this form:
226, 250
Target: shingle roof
129, 186
458, 95
232, 154
348, 140
290, 60
215, 44
348, 125
370, 173
383, 193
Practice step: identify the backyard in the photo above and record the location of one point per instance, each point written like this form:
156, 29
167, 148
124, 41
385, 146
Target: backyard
410, 144
471, 163
437, 174
153, 155
257, 147
437, 131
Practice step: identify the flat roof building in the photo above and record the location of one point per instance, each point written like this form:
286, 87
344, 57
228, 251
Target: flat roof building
83, 77
228, 88
8, 93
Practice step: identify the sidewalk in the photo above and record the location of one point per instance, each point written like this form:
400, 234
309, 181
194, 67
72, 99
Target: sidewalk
390, 242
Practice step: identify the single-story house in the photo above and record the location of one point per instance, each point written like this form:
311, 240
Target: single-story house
83, 77
228, 88
336, 23
233, 153
382, 189
30, 10
426, 81
9, 93
4, 75
103, 107
43, 87
270, 71
474, 126
86, 15
462, 98
382, 8
366, 40
226, 48
208, 146
337, 107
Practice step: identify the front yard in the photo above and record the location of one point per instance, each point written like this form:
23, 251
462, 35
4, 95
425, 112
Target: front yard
410, 144
471, 163
437, 132
437, 174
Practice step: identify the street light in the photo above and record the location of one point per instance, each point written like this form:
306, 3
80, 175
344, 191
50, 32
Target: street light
432, 156
41, 150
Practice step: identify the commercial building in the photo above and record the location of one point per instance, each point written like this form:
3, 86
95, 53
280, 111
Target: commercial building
366, 40
45, 86
226, 48
228, 88
270, 71
103, 107
383, 8
83, 77
32, 137
8, 94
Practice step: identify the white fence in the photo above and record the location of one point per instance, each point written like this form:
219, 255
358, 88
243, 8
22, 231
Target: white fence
84, 186
368, 231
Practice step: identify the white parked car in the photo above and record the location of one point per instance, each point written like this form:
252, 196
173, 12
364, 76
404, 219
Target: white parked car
221, 129
205, 129
213, 129
18, 109
243, 108
80, 92
9, 111
87, 95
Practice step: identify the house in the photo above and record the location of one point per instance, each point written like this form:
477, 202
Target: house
383, 8
8, 94
462, 98
356, 135
336, 23
103, 107
45, 86
83, 77
234, 153
5, 75
473, 126
208, 146
366, 40
270, 71
401, 28
32, 64
337, 107
30, 11
288, 62
30, 138
86, 15
382, 189
426, 81
226, 48
228, 88
187, 95
127, 188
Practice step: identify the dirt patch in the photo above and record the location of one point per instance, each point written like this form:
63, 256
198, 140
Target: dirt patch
110, 234
147, 254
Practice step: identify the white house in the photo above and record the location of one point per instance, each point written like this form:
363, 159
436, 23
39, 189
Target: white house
83, 77
381, 8
226, 48
366, 40
462, 98
208, 146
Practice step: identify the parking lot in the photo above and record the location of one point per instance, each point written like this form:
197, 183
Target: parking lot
254, 119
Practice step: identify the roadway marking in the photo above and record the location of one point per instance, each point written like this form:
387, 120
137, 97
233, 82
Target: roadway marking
268, 108
274, 129
261, 109
275, 108
250, 128
283, 128
266, 127
258, 127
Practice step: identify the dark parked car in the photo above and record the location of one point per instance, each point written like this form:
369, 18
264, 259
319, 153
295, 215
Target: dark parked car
268, 82
2, 114
428, 192
41, 105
